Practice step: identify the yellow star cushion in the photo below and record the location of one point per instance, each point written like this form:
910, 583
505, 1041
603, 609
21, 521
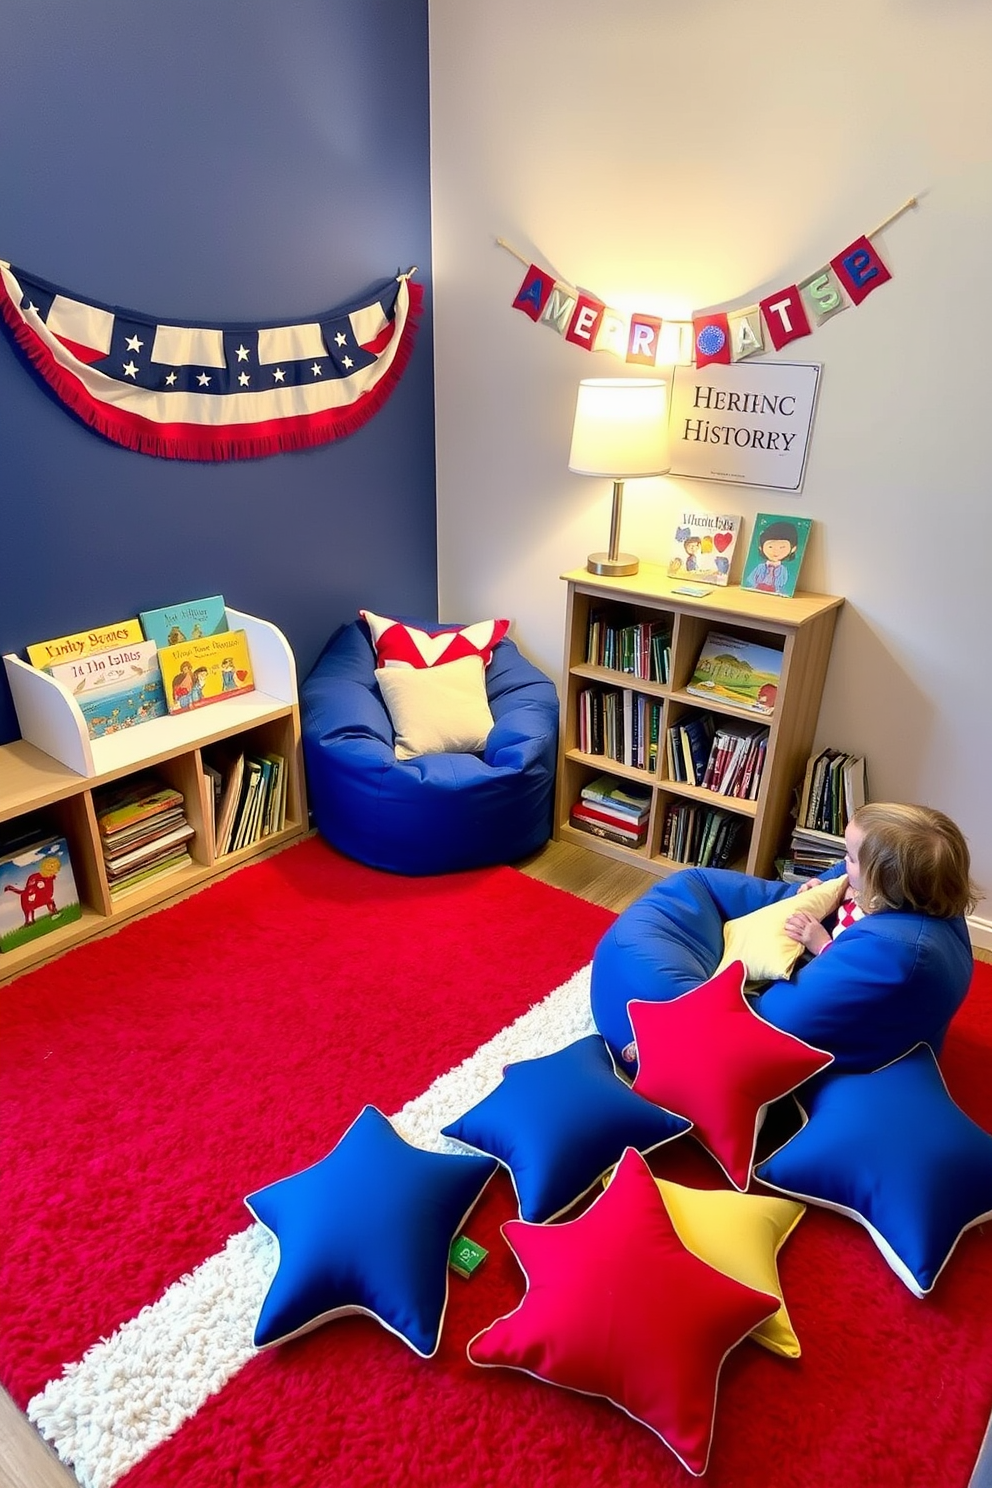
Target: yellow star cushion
740, 1235
759, 939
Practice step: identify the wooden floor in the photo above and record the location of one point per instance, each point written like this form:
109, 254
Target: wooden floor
25, 1460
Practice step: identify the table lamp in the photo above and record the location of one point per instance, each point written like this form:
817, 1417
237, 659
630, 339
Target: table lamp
619, 432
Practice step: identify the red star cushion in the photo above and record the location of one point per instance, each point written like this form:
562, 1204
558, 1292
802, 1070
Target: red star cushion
708, 1056
402, 645
616, 1306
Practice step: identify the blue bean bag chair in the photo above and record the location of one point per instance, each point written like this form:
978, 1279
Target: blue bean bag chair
436, 813
890, 981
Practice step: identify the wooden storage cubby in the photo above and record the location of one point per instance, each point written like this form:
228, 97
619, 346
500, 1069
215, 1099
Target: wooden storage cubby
801, 628
55, 768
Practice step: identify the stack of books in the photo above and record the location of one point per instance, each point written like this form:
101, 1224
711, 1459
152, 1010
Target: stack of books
612, 809
252, 802
143, 832
834, 785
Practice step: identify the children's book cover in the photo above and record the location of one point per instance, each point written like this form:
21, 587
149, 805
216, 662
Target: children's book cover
704, 548
206, 671
738, 671
46, 654
37, 892
115, 689
775, 553
193, 620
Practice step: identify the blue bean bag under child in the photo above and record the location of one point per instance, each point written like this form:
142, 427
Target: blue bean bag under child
892, 980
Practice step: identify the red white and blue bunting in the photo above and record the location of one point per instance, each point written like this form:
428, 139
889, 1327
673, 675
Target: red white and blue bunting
214, 392
728, 335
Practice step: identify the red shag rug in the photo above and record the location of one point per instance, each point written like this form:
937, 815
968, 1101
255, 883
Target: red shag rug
149, 1080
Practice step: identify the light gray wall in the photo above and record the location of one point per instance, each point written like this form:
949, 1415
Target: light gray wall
672, 156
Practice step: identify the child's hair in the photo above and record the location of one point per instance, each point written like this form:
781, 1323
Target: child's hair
913, 857
780, 532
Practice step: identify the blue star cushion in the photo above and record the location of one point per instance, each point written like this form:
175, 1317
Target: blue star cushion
893, 1151
367, 1229
558, 1123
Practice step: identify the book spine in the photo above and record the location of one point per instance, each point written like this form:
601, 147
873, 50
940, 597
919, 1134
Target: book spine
608, 834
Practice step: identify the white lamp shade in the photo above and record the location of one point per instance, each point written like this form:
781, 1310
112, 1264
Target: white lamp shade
619, 429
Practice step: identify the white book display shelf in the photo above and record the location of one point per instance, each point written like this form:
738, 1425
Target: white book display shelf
55, 767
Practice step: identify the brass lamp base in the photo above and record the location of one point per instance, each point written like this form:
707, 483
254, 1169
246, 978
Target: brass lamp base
614, 567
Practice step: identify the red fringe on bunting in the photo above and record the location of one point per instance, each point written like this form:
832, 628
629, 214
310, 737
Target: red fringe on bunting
194, 442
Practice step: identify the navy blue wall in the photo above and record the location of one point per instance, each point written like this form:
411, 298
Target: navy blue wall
235, 160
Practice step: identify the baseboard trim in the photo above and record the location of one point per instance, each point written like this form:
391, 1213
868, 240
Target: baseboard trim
980, 932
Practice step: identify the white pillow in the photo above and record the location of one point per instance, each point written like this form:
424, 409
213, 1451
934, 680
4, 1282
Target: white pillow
759, 939
439, 709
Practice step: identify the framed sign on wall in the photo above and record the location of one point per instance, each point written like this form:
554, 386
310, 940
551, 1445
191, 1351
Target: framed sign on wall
748, 423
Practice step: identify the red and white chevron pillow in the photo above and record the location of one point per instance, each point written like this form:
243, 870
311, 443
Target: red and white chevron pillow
399, 645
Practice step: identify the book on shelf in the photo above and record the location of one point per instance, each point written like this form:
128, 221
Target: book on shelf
703, 548
195, 673
700, 835
247, 806
46, 654
257, 825
149, 830
143, 830
625, 796
790, 870
114, 689
616, 640
37, 887
150, 851
141, 876
855, 784
775, 553
834, 785
136, 799
213, 780
617, 835
691, 740
254, 804
736, 760
619, 723
275, 811
634, 826
191, 621
733, 669
229, 803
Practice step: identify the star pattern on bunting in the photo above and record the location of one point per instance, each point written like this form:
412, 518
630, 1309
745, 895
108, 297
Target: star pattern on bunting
710, 1057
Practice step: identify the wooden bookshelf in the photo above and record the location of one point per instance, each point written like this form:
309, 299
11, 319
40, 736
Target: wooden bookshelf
55, 768
801, 628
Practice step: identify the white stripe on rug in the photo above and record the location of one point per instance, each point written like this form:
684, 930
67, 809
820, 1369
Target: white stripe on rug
133, 1390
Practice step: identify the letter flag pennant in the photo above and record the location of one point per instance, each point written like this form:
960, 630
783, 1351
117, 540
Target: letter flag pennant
217, 392
729, 335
